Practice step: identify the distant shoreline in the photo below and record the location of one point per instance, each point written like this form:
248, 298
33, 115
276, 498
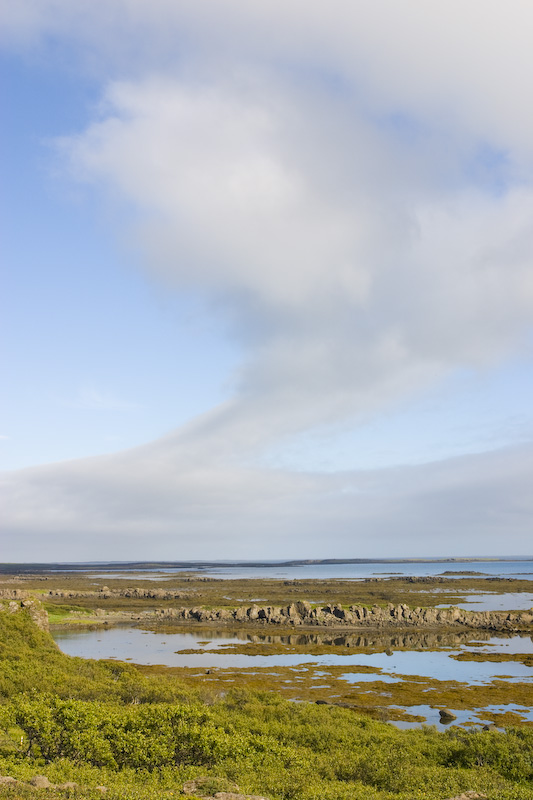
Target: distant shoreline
85, 566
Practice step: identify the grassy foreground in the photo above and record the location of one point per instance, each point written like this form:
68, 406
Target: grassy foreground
142, 736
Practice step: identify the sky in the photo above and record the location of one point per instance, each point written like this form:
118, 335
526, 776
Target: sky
267, 279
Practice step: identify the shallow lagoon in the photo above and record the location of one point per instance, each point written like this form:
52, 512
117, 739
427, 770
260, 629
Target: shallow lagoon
148, 647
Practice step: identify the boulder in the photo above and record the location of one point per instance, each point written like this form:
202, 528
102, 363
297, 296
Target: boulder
430, 616
446, 716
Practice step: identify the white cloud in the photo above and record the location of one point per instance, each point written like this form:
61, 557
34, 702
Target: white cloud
352, 271
461, 62
351, 183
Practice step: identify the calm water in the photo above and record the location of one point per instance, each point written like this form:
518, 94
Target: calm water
148, 647
504, 569
484, 601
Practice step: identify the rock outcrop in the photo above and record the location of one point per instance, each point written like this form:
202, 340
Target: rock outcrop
35, 610
302, 614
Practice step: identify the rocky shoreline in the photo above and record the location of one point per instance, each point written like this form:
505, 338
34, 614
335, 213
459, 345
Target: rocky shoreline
300, 614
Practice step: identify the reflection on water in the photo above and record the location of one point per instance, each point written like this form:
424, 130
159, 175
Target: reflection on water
148, 647
369, 640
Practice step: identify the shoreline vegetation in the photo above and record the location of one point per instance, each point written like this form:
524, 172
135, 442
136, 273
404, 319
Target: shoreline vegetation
147, 731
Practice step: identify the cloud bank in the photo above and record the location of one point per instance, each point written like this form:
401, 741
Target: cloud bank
351, 188
161, 501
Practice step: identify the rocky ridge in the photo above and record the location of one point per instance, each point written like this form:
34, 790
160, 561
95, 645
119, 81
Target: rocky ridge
297, 614
302, 613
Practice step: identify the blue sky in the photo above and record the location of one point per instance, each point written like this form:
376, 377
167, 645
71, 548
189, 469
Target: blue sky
267, 272
97, 356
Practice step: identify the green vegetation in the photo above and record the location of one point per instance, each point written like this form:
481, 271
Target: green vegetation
143, 733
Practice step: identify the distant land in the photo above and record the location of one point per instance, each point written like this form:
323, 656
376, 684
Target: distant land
185, 565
